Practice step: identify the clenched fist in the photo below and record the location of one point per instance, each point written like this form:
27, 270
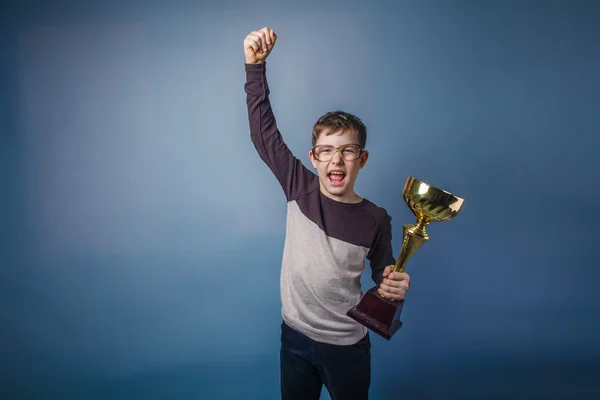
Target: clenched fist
258, 45
395, 284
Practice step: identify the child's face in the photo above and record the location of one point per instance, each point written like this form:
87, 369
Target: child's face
340, 185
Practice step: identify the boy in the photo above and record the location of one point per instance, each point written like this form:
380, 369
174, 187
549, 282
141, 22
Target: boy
329, 231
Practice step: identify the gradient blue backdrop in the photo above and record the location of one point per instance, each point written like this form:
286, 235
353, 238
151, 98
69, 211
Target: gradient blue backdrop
141, 234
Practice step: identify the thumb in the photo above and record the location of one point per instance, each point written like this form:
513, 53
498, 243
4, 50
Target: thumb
387, 271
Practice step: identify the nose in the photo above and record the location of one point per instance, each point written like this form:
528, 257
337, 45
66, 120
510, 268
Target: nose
337, 158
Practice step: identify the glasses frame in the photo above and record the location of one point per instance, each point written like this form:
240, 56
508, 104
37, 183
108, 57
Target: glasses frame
338, 149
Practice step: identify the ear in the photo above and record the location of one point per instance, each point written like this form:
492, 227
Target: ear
312, 159
363, 158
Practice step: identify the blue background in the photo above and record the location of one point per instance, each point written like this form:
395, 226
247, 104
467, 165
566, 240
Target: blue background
142, 235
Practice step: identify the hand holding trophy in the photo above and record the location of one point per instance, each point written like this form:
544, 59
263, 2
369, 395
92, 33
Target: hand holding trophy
428, 204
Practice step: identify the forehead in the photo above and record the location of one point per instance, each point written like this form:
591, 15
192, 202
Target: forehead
338, 138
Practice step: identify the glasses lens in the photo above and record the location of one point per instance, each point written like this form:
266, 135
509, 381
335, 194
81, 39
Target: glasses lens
350, 152
324, 153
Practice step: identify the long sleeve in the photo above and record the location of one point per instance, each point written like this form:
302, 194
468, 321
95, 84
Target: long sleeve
293, 176
380, 254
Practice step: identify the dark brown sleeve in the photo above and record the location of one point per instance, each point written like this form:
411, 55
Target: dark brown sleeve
380, 254
293, 176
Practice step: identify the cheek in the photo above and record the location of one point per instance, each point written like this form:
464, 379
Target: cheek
353, 170
320, 167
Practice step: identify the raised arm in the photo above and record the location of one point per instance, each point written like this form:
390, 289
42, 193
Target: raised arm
293, 176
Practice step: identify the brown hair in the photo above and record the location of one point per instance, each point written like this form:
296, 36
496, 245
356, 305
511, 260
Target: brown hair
335, 121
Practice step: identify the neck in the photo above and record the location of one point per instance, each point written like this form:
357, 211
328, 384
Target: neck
348, 197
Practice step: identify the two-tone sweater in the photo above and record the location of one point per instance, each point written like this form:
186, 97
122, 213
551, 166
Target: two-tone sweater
326, 241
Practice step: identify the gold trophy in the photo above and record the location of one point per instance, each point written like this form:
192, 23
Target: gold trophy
428, 204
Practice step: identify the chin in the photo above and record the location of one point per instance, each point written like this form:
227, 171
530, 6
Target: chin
337, 191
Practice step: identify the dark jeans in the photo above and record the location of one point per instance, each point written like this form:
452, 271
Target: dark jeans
307, 365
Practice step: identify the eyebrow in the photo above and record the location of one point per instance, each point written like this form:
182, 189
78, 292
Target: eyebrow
345, 144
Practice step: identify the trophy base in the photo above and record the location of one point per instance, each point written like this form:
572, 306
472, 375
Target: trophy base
379, 314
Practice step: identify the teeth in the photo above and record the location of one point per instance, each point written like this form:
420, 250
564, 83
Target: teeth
337, 173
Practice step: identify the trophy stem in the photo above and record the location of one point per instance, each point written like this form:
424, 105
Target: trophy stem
413, 237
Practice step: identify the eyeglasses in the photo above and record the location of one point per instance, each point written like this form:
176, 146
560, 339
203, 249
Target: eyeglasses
349, 152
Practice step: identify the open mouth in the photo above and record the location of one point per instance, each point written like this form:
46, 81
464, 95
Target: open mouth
336, 177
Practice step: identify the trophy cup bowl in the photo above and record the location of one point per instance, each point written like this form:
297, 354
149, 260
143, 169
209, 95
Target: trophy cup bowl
431, 203
428, 204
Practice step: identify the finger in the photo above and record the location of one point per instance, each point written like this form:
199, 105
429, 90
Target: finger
267, 35
399, 276
273, 36
251, 43
396, 284
256, 36
391, 294
263, 41
393, 289
387, 271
